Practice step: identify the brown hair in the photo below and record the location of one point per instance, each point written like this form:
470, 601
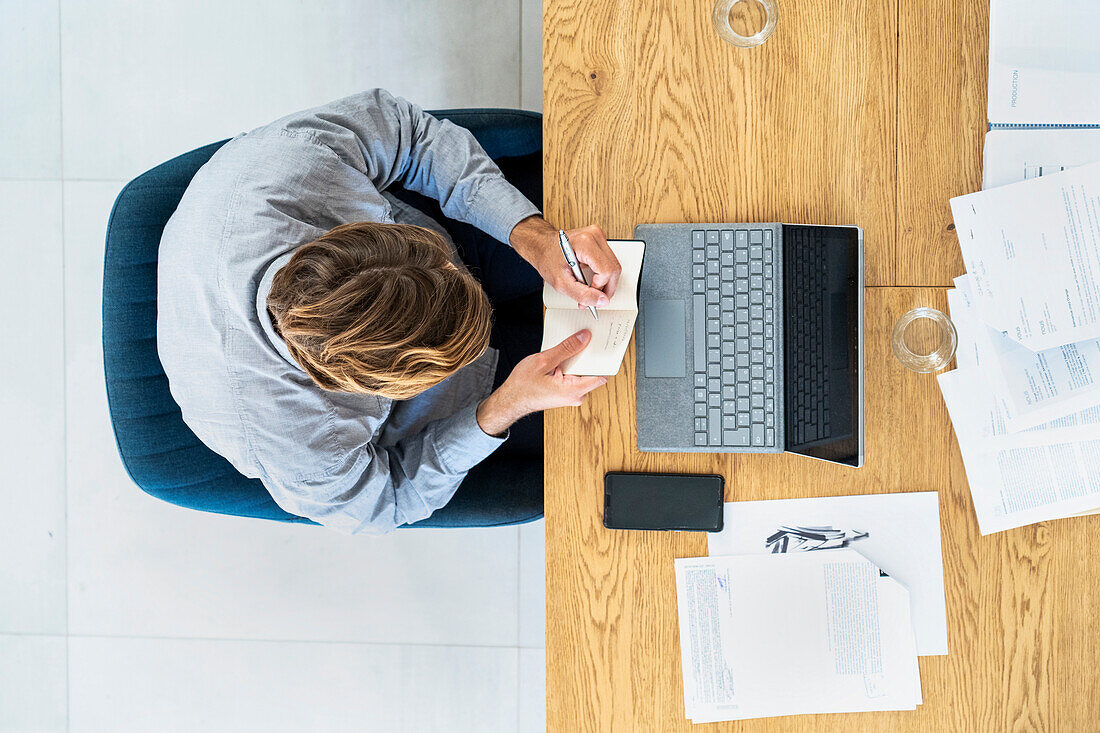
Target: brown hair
379, 309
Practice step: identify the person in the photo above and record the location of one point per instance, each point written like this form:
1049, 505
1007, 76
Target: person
325, 333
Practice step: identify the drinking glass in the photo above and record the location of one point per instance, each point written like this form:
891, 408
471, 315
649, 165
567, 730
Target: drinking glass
721, 20
924, 340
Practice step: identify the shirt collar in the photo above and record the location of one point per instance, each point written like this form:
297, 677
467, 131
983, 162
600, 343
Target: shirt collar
265, 318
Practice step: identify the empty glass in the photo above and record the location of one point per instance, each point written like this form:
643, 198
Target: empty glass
924, 340
721, 19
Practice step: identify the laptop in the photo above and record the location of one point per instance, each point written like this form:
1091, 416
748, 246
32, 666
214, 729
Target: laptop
750, 340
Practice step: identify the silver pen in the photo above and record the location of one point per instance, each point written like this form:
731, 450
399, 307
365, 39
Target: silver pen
571, 260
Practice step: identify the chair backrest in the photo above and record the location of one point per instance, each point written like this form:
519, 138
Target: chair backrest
160, 452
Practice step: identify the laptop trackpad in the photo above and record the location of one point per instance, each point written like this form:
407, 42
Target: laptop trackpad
665, 338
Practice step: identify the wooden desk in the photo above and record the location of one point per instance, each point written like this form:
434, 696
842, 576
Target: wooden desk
869, 113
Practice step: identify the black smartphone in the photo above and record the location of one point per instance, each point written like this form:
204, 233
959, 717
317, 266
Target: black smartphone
663, 501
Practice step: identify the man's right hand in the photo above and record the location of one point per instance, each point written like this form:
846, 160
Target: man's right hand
537, 383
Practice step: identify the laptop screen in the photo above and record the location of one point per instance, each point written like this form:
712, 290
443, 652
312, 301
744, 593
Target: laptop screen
821, 304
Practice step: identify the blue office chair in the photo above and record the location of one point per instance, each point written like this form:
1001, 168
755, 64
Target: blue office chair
161, 454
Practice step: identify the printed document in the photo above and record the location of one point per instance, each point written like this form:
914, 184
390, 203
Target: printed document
1032, 250
900, 533
788, 634
1030, 387
1020, 478
1043, 64
1017, 155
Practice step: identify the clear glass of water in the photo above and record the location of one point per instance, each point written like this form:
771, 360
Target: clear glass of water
924, 340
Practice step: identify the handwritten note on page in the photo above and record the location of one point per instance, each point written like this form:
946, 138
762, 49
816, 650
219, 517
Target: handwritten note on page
611, 331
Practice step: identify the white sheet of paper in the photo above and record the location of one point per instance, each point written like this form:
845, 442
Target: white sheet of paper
1021, 478
1044, 385
1043, 64
1030, 387
898, 532
798, 633
989, 413
1016, 155
1032, 250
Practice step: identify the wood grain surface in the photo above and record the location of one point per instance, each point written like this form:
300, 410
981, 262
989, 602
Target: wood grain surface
942, 59
649, 117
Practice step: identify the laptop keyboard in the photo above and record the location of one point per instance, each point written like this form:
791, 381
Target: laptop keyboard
734, 316
807, 368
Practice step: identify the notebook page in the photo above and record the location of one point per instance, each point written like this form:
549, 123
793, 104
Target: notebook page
629, 253
610, 336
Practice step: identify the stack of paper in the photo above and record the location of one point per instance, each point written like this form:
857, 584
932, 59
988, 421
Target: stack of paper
793, 633
1025, 399
1020, 472
900, 533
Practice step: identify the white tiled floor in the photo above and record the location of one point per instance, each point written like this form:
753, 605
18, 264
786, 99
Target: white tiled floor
531, 49
532, 689
30, 79
32, 538
532, 586
119, 612
289, 686
32, 683
142, 81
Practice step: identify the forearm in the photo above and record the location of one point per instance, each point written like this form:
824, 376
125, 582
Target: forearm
530, 235
498, 411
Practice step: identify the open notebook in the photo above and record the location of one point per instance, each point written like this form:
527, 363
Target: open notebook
1044, 88
611, 333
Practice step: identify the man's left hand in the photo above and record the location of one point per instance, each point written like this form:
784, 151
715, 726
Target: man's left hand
536, 240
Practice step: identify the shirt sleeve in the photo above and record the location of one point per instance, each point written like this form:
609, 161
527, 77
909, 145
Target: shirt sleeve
381, 488
390, 140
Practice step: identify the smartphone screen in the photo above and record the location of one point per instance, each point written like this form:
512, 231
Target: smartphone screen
663, 501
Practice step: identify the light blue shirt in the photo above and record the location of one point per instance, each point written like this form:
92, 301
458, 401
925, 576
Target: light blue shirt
353, 462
